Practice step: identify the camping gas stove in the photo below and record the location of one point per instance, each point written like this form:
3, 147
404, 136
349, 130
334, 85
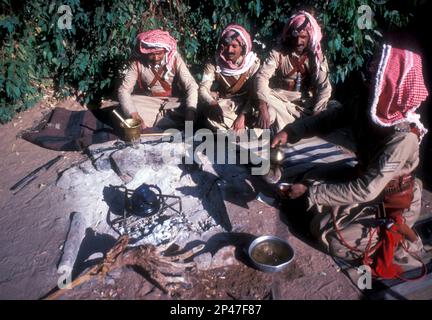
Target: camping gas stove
144, 208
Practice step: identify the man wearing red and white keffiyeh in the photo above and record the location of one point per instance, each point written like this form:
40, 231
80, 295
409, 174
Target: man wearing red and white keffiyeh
294, 79
399, 89
157, 69
368, 213
229, 105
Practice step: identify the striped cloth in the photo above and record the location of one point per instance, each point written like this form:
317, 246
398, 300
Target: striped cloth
310, 153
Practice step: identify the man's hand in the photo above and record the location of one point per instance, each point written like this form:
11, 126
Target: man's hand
264, 116
279, 139
215, 112
295, 191
135, 115
239, 123
190, 115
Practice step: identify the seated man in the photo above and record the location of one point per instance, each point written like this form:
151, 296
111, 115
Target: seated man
370, 211
232, 73
294, 79
159, 70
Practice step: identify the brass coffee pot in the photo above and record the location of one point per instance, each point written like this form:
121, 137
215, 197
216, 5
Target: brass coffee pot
276, 155
276, 159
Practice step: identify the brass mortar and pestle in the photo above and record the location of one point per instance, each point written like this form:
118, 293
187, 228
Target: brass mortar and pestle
131, 129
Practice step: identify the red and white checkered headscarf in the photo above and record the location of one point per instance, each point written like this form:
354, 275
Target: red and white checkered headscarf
154, 40
313, 30
399, 88
227, 67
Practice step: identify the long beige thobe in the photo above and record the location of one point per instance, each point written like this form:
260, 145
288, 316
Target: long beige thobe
353, 201
148, 107
231, 106
398, 156
284, 105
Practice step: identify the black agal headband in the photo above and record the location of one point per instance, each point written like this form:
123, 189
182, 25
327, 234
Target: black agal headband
296, 32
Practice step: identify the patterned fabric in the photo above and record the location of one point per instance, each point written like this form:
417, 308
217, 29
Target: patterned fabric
313, 30
227, 67
155, 40
309, 153
399, 88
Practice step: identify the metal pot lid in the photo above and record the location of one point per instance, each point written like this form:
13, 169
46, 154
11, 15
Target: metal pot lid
145, 200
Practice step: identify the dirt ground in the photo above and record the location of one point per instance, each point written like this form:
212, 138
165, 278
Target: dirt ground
34, 224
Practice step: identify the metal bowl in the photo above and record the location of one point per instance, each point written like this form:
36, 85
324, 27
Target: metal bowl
270, 253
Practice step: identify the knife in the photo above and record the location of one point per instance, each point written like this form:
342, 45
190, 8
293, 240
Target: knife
33, 175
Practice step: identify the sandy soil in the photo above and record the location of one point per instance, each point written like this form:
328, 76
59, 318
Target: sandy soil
33, 222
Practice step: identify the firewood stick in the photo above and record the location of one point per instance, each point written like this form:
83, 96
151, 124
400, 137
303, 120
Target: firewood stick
80, 280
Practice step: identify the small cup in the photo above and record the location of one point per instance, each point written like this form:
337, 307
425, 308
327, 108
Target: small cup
284, 188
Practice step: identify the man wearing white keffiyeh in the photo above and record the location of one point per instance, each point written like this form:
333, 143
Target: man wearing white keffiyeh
230, 76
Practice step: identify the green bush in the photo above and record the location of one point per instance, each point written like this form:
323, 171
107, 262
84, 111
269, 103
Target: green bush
88, 59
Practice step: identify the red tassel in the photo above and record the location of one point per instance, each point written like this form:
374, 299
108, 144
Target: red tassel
384, 266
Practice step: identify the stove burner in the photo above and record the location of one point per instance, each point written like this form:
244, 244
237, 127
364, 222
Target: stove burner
143, 206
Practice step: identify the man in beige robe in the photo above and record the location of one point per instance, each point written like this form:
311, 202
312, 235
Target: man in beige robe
294, 79
229, 106
167, 93
367, 213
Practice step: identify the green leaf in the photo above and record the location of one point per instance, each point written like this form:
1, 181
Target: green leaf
337, 43
17, 92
